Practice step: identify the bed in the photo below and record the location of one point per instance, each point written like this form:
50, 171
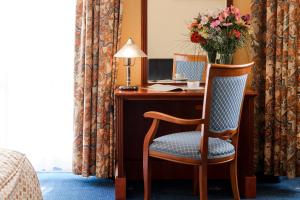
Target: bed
18, 179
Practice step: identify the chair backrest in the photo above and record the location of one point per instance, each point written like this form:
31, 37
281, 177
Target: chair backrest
224, 95
193, 67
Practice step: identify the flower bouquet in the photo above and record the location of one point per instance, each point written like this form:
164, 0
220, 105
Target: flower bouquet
223, 32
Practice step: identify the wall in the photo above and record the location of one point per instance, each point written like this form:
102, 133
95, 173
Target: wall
243, 55
168, 34
132, 28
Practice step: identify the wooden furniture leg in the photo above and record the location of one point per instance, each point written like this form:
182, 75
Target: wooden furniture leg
234, 179
203, 181
247, 179
196, 180
147, 177
120, 178
249, 187
120, 188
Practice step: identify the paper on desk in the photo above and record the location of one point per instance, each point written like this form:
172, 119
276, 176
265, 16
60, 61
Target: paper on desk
166, 88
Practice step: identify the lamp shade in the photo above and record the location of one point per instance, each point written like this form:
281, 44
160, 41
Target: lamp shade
130, 50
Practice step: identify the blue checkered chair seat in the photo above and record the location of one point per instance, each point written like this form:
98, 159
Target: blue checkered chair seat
186, 145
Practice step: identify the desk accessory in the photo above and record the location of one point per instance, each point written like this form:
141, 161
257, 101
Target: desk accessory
129, 52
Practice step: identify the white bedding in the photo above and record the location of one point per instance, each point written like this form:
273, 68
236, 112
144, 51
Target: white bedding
18, 180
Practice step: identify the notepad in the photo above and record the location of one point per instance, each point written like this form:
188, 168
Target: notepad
164, 88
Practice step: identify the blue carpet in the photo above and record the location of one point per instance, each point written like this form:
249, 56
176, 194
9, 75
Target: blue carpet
65, 186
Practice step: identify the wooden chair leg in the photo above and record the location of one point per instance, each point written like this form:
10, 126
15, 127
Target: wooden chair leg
196, 180
234, 180
147, 176
203, 181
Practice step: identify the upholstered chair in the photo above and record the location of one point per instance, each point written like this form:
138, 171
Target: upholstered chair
192, 67
215, 139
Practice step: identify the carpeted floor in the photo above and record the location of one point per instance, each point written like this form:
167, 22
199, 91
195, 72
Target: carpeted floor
65, 186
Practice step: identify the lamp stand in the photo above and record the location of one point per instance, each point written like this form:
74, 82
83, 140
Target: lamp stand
128, 62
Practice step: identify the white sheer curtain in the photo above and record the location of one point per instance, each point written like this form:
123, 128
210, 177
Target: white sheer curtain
36, 80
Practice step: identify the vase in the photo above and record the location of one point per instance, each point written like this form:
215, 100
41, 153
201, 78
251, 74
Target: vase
226, 58
212, 56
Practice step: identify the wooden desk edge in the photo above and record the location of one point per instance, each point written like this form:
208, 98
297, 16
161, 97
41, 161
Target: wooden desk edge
145, 92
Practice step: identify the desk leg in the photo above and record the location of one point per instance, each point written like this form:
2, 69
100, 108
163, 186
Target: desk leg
120, 178
248, 187
247, 176
120, 188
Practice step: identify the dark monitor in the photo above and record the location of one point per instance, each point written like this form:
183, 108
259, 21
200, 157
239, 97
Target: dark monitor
160, 69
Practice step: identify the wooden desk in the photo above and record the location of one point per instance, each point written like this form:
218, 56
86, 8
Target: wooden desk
131, 128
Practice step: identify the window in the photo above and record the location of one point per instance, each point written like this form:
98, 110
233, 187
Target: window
36, 80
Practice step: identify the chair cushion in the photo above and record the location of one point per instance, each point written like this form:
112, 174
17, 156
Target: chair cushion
227, 97
190, 69
186, 145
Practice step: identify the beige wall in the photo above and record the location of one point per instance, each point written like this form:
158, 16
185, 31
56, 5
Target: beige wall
167, 32
242, 55
132, 28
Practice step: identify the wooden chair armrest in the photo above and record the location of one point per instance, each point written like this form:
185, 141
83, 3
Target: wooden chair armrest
150, 135
157, 116
172, 119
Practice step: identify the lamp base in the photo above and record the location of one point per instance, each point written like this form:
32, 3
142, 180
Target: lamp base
128, 88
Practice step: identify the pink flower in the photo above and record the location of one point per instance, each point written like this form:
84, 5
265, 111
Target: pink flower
218, 28
227, 24
227, 9
193, 25
221, 19
215, 23
237, 14
232, 9
224, 14
204, 19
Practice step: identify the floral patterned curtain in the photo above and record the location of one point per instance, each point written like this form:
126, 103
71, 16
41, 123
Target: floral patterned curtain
276, 25
98, 24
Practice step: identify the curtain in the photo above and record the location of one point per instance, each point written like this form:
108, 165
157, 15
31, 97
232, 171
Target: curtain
98, 24
277, 81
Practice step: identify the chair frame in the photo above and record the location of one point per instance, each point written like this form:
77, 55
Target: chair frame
190, 58
216, 70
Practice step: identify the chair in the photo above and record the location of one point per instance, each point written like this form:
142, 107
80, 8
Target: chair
191, 66
209, 143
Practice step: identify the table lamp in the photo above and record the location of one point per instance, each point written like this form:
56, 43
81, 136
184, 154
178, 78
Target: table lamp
129, 52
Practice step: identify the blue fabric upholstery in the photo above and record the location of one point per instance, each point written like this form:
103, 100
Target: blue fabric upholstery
186, 145
227, 95
191, 70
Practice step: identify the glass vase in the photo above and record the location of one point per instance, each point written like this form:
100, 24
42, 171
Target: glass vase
226, 58
212, 56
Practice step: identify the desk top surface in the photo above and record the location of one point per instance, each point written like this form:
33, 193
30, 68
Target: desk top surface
144, 92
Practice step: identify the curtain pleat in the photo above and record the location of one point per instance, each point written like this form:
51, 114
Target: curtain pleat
98, 24
276, 78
